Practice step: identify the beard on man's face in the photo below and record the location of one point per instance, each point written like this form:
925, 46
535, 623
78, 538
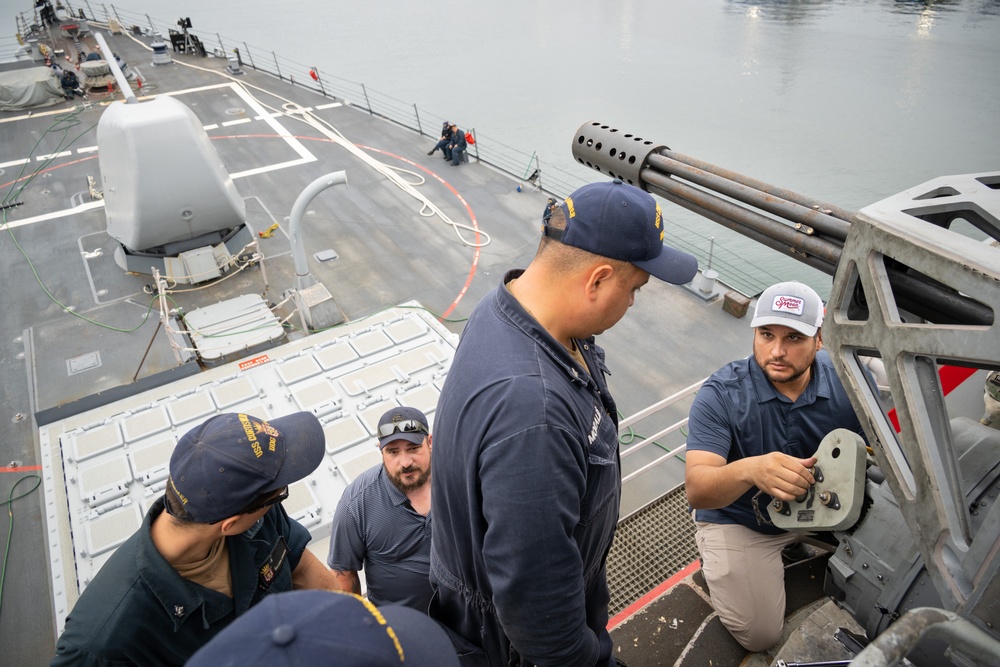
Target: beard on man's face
418, 481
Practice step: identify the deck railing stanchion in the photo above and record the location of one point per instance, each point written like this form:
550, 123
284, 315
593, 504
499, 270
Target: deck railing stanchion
319, 80
416, 112
278, 67
249, 55
367, 101
475, 144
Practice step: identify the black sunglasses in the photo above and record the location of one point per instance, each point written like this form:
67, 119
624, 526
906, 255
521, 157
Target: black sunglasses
282, 495
405, 426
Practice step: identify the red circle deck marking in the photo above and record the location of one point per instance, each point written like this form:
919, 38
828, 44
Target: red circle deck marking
468, 209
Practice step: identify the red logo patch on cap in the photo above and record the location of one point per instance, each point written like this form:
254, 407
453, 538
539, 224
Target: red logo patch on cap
788, 304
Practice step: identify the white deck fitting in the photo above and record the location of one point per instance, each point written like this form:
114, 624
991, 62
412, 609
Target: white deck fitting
102, 469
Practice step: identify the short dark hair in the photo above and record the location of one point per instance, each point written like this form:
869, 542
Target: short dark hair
568, 258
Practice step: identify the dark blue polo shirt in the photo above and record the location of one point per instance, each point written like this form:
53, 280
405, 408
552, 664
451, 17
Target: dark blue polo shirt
738, 413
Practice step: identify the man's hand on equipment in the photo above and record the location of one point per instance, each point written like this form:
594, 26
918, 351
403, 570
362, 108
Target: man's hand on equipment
782, 476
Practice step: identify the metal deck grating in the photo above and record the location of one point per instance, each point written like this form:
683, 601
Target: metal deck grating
650, 546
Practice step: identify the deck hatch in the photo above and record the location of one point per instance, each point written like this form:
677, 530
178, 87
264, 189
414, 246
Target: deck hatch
110, 530
226, 330
151, 463
424, 398
145, 423
105, 481
233, 392
336, 355
82, 363
96, 440
298, 369
404, 330
302, 504
352, 467
344, 433
188, 408
371, 342
320, 397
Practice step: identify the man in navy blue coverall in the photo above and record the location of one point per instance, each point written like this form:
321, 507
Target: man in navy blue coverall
527, 477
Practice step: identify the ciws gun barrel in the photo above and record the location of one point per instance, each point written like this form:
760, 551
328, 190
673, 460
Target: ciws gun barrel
803, 228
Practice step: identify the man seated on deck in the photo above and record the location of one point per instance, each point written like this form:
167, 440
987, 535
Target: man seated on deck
443, 141
383, 519
457, 146
754, 426
222, 544
70, 85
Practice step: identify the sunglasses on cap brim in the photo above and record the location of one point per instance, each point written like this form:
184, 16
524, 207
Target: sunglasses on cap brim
405, 426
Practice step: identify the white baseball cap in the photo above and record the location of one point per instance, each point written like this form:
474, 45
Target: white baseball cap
790, 304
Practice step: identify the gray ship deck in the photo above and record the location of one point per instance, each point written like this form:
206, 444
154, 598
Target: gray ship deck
75, 327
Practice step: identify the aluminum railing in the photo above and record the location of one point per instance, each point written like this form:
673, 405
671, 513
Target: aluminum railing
661, 468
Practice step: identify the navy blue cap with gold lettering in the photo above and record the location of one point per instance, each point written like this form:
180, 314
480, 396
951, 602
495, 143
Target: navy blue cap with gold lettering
620, 221
224, 464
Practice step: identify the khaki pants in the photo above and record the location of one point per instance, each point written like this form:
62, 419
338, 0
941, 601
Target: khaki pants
746, 579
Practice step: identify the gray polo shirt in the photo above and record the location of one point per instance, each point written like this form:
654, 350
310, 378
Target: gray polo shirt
376, 528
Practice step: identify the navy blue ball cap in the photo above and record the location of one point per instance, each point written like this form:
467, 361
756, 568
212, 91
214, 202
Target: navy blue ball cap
224, 464
402, 423
326, 628
620, 221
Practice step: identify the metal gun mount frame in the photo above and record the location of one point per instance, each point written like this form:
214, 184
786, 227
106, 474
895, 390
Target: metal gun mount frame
919, 460
907, 289
806, 229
